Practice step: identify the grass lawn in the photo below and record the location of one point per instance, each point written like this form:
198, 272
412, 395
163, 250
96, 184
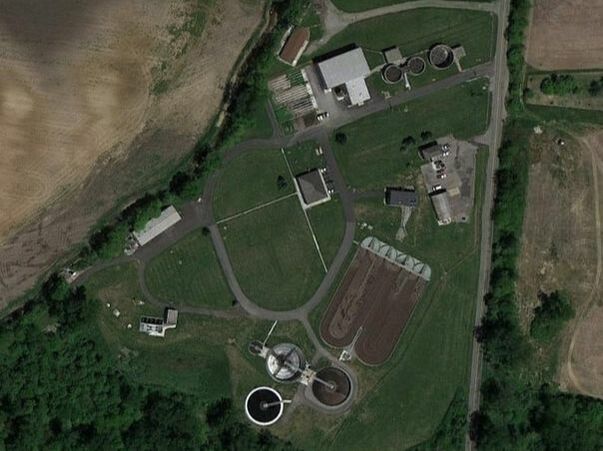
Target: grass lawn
274, 256
416, 30
303, 157
250, 180
203, 355
328, 223
372, 157
188, 273
363, 5
406, 398
259, 125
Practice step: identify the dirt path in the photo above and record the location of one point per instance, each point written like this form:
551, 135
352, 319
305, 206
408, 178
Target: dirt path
586, 307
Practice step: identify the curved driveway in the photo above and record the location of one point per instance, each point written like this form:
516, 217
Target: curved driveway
196, 215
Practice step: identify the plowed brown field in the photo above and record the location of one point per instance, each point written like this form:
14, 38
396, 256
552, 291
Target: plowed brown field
82, 123
566, 34
374, 301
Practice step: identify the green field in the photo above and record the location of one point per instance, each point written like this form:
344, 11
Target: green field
372, 157
250, 180
273, 255
203, 355
328, 224
363, 5
188, 273
417, 30
303, 157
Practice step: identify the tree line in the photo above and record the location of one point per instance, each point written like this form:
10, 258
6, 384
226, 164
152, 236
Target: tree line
60, 389
520, 408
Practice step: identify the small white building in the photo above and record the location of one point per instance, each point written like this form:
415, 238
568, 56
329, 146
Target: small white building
155, 326
157, 226
348, 69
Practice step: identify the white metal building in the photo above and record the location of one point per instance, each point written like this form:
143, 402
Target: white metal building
158, 225
349, 69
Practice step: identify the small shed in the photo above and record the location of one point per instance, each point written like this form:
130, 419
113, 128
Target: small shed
392, 55
400, 197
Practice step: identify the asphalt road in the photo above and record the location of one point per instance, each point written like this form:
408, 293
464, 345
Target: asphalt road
499, 90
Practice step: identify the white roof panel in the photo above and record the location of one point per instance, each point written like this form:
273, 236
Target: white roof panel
343, 68
158, 225
358, 91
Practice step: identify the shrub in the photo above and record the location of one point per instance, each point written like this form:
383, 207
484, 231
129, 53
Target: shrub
341, 138
554, 310
560, 85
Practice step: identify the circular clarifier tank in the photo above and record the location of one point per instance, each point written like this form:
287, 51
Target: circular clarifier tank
264, 406
392, 74
332, 386
416, 65
441, 56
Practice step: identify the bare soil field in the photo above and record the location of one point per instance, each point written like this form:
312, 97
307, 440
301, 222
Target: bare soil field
560, 251
98, 100
566, 34
377, 297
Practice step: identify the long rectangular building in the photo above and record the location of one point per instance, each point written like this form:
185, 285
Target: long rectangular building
158, 225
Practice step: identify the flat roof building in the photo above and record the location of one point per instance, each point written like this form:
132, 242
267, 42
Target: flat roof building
158, 225
155, 326
400, 197
433, 151
349, 69
295, 45
312, 188
441, 205
392, 55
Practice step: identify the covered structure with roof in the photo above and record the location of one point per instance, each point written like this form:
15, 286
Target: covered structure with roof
401, 197
295, 44
441, 205
348, 69
157, 226
155, 326
311, 188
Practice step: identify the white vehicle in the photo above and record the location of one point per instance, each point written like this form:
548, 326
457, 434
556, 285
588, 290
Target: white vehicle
322, 116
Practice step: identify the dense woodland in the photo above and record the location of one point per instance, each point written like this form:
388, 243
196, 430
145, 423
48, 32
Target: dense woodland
521, 408
59, 389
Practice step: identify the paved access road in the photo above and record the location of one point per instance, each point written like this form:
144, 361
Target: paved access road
499, 91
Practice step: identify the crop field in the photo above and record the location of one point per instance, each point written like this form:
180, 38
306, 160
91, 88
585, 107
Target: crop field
363, 5
188, 273
216, 366
565, 34
372, 156
416, 30
249, 180
273, 255
100, 100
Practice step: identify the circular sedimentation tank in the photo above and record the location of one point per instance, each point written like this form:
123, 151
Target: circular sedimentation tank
392, 74
441, 56
416, 65
285, 362
264, 406
335, 388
